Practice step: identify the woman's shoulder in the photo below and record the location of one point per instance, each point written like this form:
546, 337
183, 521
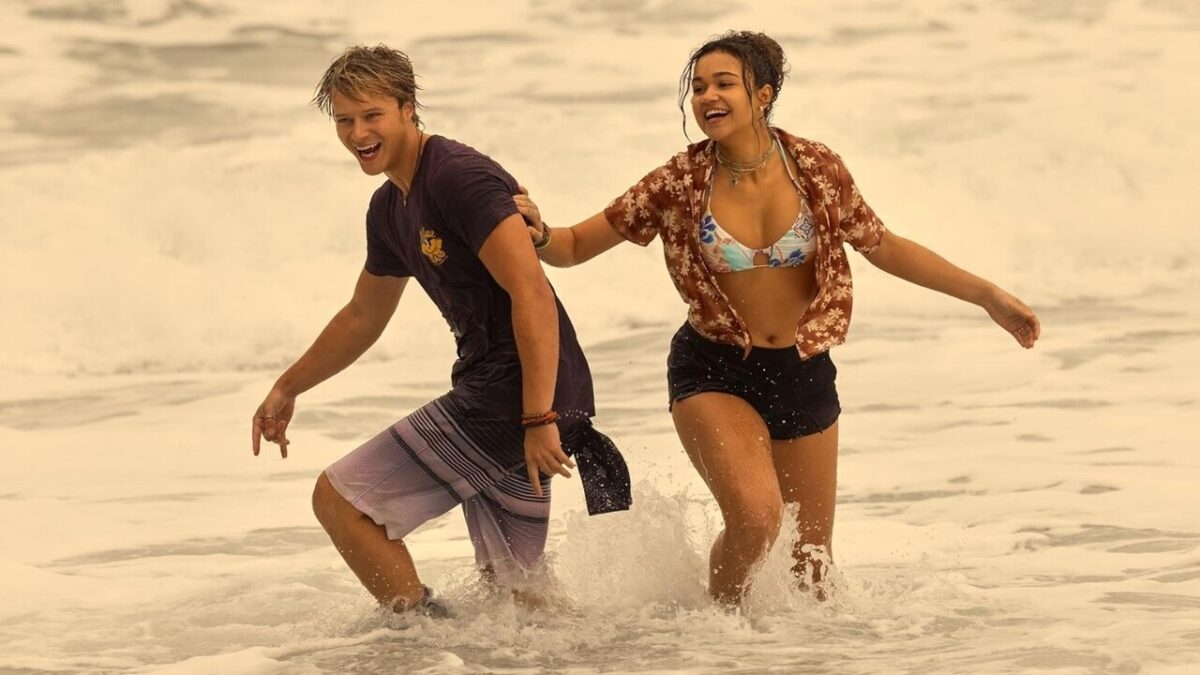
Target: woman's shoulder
806, 151
684, 162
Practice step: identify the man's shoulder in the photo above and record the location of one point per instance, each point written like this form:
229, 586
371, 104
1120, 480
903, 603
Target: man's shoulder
451, 159
382, 197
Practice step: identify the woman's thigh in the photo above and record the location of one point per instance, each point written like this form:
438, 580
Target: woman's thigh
730, 446
806, 469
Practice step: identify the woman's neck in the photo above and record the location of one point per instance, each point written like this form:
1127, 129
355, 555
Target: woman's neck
749, 146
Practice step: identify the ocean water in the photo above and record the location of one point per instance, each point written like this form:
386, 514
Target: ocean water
178, 224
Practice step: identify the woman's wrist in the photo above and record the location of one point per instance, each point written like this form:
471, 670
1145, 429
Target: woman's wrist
988, 294
544, 240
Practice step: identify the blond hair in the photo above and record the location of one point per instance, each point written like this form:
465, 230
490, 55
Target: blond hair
361, 70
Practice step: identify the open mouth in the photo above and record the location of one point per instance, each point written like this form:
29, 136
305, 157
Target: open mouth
368, 152
715, 115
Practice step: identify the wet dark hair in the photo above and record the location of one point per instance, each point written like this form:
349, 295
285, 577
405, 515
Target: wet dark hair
762, 62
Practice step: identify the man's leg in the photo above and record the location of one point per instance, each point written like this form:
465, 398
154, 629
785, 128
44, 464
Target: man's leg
368, 501
508, 525
383, 565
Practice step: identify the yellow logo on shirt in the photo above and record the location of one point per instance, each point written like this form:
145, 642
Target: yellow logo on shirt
431, 246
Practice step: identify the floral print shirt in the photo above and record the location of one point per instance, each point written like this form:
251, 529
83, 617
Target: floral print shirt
669, 202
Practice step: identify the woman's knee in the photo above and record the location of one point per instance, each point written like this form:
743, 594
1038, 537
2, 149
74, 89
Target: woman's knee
756, 519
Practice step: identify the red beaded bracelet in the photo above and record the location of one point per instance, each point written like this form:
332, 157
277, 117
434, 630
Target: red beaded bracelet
539, 419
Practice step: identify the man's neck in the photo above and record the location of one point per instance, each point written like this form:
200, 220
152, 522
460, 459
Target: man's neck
406, 164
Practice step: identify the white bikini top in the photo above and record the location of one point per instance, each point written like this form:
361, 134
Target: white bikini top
723, 253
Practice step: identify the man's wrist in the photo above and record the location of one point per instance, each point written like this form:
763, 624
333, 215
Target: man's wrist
530, 420
284, 387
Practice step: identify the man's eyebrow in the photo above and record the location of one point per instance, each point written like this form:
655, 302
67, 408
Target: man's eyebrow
368, 110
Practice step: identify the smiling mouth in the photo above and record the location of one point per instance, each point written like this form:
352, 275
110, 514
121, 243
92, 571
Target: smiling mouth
715, 115
368, 152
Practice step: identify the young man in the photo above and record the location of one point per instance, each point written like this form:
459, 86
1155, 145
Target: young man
521, 392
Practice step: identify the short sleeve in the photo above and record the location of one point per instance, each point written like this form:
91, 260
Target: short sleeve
474, 196
381, 256
637, 215
860, 227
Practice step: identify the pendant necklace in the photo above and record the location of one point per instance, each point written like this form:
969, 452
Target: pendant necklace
738, 169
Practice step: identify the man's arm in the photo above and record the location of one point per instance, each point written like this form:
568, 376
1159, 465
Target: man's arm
511, 261
350, 333
916, 264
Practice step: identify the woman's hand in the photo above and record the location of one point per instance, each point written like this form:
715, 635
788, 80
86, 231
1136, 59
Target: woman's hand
1014, 316
529, 211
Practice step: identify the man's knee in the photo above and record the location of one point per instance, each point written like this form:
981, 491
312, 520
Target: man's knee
328, 504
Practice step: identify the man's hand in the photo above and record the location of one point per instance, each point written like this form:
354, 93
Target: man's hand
271, 421
529, 211
544, 454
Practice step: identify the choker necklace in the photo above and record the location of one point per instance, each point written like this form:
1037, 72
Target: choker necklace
738, 169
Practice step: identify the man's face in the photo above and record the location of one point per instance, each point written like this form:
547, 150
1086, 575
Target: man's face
372, 129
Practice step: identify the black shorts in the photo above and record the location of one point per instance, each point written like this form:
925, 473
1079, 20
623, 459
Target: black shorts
794, 397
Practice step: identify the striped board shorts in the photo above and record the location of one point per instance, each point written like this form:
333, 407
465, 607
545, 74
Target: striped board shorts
443, 455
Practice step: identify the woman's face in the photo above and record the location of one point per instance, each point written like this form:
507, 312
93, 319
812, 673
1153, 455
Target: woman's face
719, 100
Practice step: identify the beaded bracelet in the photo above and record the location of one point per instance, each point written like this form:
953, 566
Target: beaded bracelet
544, 241
539, 419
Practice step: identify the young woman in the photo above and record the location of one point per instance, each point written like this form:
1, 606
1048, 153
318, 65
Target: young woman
753, 222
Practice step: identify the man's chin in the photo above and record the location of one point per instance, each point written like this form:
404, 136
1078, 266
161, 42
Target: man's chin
371, 168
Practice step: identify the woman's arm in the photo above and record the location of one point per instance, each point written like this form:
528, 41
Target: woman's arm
568, 245
916, 264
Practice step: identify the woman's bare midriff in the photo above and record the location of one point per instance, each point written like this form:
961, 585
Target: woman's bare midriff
771, 301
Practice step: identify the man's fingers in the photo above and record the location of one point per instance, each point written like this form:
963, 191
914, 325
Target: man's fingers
283, 440
563, 458
534, 479
255, 433
553, 465
522, 189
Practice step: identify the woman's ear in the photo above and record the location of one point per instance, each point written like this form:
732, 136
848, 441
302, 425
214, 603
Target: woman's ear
765, 94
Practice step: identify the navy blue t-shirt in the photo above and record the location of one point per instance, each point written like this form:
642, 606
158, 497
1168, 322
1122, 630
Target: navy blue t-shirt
457, 199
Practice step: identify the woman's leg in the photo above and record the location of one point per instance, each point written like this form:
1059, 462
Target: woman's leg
806, 468
731, 448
